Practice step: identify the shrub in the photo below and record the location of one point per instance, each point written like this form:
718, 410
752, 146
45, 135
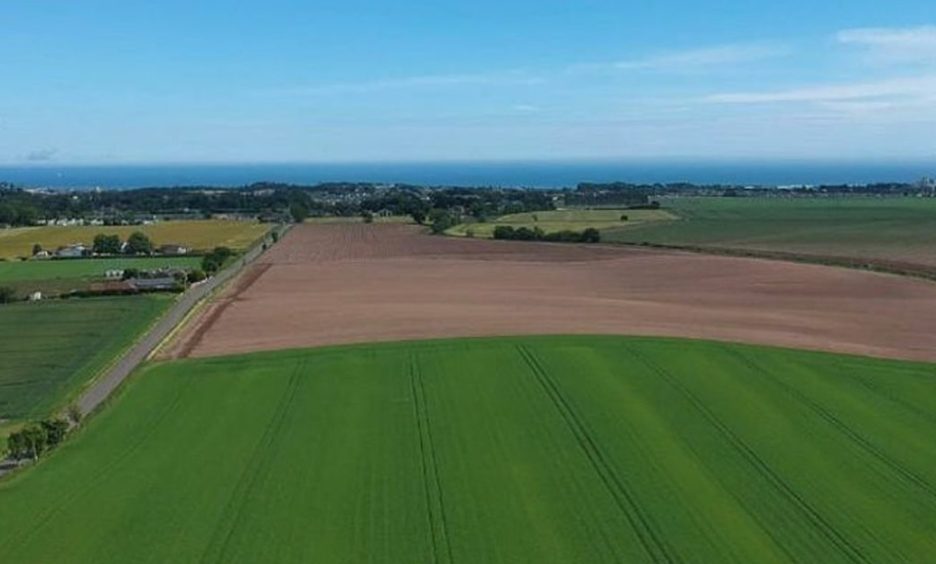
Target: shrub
196, 275
7, 294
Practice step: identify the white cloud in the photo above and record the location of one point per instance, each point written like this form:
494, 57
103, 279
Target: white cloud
911, 44
916, 87
706, 57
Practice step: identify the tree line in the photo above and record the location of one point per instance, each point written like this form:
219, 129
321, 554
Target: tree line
37, 438
589, 235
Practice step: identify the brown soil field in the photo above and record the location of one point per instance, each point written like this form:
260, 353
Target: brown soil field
354, 283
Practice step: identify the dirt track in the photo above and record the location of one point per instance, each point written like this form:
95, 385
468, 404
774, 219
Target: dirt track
333, 284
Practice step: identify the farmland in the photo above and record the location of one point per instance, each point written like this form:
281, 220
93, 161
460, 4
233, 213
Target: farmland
199, 235
554, 449
353, 283
50, 349
901, 230
565, 220
74, 269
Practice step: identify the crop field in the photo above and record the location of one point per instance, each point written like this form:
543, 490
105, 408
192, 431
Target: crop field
554, 449
341, 284
197, 234
882, 229
566, 220
50, 349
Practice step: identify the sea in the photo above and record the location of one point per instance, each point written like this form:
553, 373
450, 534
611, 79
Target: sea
528, 174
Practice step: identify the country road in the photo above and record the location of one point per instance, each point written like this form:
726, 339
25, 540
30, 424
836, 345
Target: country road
102, 387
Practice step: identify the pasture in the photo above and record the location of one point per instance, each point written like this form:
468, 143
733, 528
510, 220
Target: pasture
51, 349
76, 269
196, 234
881, 229
565, 220
554, 449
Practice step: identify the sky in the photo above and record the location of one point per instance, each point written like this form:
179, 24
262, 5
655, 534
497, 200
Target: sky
99, 82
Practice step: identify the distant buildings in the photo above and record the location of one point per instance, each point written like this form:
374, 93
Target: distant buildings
173, 250
77, 250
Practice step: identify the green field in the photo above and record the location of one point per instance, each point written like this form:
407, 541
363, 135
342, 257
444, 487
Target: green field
582, 449
196, 234
883, 229
76, 269
565, 220
50, 349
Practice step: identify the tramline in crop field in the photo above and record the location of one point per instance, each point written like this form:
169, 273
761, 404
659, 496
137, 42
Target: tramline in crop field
550, 449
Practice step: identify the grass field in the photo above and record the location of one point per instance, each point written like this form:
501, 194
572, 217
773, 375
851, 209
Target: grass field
50, 349
585, 449
358, 219
33, 270
565, 220
891, 229
199, 235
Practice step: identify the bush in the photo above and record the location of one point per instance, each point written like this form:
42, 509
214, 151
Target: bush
37, 438
74, 413
214, 261
196, 275
7, 294
55, 430
590, 235
442, 222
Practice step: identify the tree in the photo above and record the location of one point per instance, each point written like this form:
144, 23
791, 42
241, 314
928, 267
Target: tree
419, 216
299, 212
16, 445
106, 244
367, 216
28, 443
591, 235
503, 232
196, 276
214, 260
130, 273
441, 220
37, 248
55, 430
210, 264
7, 294
139, 244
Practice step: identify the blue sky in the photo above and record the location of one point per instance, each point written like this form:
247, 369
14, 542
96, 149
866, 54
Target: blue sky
126, 81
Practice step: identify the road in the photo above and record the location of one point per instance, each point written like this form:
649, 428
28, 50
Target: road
105, 385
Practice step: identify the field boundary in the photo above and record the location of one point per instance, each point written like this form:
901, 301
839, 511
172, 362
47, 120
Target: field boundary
898, 268
96, 395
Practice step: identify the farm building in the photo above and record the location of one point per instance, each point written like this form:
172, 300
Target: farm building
154, 284
112, 287
72, 251
173, 250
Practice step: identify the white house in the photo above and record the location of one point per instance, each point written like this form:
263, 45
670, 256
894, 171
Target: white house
72, 251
